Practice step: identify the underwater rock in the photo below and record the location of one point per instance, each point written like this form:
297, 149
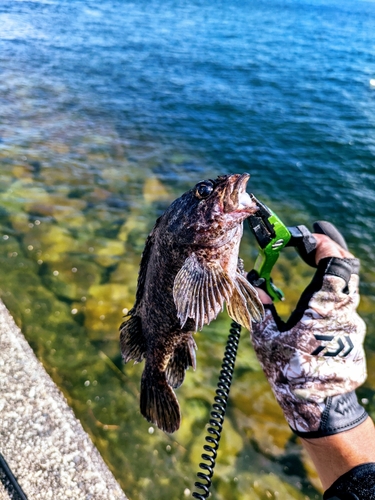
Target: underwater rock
21, 193
20, 222
32, 193
154, 190
370, 361
70, 277
22, 171
126, 272
20, 280
258, 415
135, 225
231, 444
5, 182
75, 174
116, 174
256, 486
103, 310
195, 415
50, 241
68, 211
108, 252
60, 148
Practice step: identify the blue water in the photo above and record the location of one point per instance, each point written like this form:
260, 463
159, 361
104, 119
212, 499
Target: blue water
185, 90
280, 88
277, 88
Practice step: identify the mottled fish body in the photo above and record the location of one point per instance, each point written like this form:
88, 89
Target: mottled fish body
189, 269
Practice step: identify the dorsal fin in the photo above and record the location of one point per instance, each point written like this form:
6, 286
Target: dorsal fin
132, 340
144, 263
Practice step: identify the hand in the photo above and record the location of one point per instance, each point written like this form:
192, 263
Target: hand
315, 360
326, 247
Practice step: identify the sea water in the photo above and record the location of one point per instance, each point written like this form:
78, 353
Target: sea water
108, 111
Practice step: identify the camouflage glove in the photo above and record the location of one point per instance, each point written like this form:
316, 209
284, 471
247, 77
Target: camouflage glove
315, 360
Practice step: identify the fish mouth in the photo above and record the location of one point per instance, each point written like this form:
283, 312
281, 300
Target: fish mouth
236, 199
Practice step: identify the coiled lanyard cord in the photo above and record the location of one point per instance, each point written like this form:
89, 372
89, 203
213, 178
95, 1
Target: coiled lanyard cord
9, 481
217, 414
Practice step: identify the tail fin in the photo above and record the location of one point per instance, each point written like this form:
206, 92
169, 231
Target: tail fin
159, 404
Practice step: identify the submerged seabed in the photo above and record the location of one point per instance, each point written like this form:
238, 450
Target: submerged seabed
70, 247
110, 112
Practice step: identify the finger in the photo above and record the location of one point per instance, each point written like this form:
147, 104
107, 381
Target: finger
264, 297
326, 247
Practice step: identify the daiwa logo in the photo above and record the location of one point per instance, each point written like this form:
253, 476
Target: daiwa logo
346, 404
334, 346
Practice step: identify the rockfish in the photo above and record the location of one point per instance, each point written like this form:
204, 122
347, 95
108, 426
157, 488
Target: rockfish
189, 268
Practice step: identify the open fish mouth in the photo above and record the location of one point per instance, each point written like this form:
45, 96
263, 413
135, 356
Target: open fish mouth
236, 199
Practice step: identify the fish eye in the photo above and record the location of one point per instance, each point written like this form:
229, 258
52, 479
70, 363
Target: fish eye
204, 189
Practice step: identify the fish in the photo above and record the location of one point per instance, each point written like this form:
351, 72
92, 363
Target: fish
189, 269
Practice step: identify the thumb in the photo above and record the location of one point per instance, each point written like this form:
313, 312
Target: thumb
326, 247
263, 296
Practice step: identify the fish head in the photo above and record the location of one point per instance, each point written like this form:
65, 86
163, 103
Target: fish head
212, 212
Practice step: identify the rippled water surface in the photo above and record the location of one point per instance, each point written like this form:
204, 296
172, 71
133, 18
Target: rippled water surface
108, 111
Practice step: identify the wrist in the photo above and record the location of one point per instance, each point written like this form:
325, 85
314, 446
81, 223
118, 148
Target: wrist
335, 455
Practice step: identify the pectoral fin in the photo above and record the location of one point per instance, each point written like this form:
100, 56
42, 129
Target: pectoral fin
244, 305
199, 291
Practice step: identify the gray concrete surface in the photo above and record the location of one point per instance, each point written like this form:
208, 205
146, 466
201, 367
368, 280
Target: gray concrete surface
43, 443
3, 493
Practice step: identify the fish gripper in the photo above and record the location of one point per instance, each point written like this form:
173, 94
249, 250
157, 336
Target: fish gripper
215, 425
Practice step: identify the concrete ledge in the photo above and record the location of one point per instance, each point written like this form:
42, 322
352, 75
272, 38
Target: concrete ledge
43, 443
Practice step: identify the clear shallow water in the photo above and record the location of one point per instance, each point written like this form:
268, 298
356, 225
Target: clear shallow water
108, 111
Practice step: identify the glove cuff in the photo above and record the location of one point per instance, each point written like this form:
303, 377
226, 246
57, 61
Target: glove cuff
343, 268
341, 413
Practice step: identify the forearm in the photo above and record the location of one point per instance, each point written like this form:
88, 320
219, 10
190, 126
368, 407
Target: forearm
335, 455
314, 376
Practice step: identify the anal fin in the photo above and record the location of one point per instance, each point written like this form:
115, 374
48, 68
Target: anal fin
182, 358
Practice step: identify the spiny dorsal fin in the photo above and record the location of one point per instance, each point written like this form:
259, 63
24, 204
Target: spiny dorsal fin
244, 305
143, 266
132, 341
199, 291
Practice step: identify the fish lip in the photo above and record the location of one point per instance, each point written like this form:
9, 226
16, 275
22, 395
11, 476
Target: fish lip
236, 198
